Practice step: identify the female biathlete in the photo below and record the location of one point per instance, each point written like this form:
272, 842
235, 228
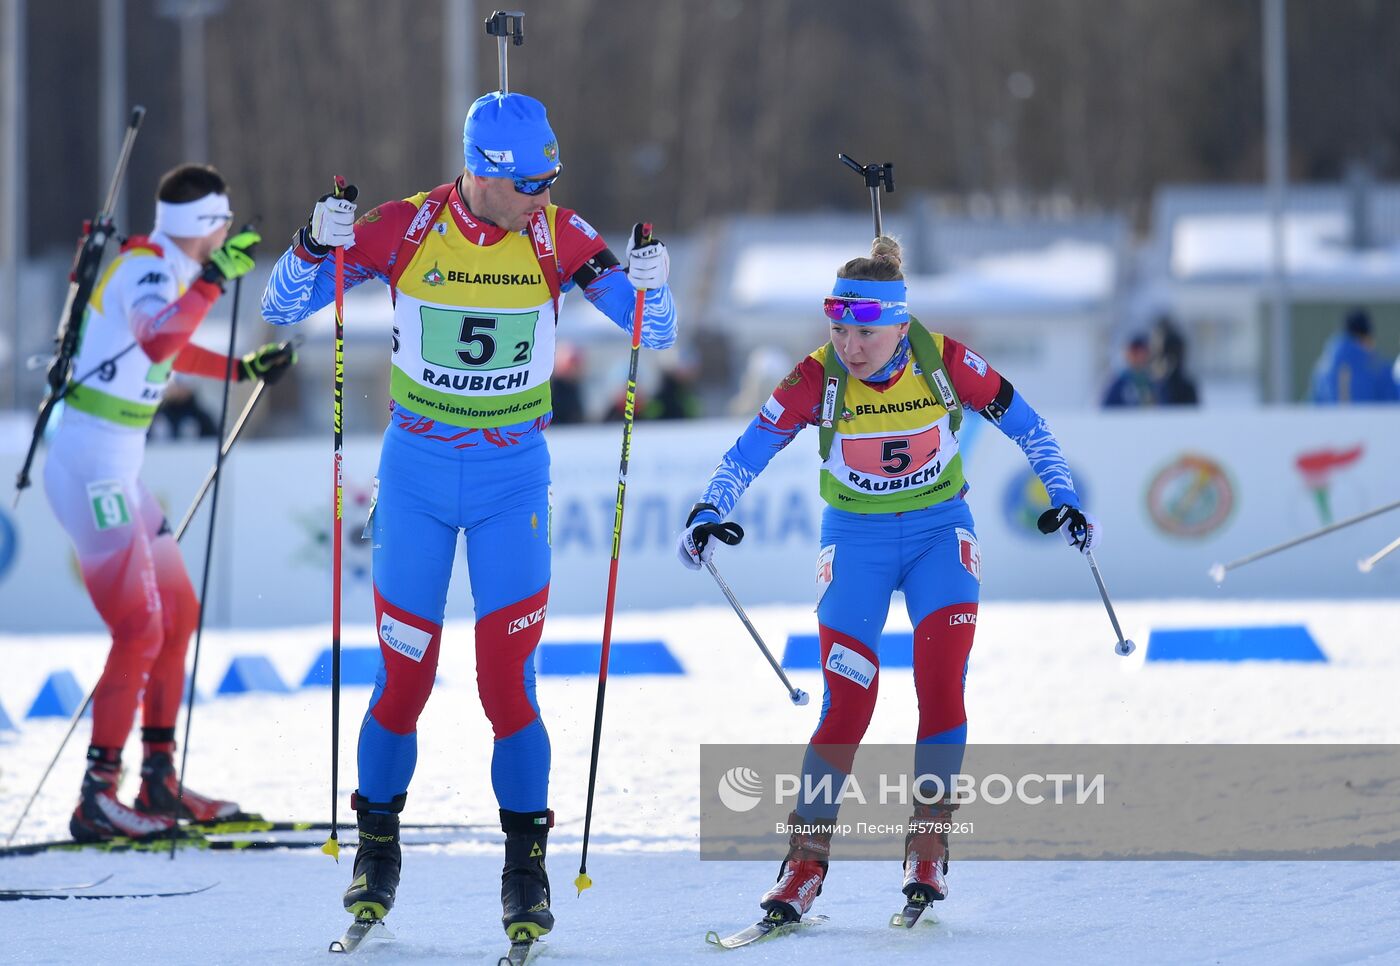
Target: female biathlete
888, 398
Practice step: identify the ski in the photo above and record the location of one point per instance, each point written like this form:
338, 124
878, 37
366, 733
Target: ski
522, 951
17, 896
117, 844
906, 919
225, 841
63, 888
360, 931
259, 824
768, 927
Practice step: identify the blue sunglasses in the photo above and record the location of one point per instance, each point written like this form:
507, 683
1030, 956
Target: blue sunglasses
531, 186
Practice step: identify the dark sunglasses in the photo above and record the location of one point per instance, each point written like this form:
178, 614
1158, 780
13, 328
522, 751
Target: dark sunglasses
862, 310
530, 186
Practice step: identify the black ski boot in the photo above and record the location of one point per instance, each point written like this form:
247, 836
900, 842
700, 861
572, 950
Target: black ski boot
377, 860
524, 884
99, 816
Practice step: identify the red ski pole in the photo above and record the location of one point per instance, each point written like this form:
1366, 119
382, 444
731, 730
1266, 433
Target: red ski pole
628, 416
332, 845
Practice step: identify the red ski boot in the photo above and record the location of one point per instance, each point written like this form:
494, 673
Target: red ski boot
161, 793
801, 874
926, 853
99, 816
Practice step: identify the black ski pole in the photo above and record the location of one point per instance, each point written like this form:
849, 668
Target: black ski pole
1124, 647
179, 532
82, 279
232, 438
208, 549
795, 695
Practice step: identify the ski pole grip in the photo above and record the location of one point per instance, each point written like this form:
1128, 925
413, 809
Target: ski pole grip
138, 114
349, 193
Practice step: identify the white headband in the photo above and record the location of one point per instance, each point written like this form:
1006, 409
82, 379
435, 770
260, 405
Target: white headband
193, 219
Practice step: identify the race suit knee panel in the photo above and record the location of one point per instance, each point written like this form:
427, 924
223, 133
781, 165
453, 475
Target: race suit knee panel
505, 651
409, 645
850, 671
942, 643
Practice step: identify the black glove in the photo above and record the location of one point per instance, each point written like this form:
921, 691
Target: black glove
1081, 530
267, 362
703, 523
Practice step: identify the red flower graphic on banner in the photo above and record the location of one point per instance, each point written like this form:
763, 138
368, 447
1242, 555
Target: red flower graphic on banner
1318, 468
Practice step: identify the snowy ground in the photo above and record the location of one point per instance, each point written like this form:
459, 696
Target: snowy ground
1043, 673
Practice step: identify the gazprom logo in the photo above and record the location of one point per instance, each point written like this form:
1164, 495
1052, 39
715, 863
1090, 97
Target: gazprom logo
740, 789
409, 641
850, 665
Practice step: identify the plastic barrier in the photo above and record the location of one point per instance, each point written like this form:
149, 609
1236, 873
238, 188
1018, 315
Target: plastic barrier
59, 697
251, 672
358, 665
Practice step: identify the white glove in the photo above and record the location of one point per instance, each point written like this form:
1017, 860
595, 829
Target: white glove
1081, 529
695, 547
648, 263
332, 222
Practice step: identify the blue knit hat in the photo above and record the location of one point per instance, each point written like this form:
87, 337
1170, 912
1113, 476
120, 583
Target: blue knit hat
508, 135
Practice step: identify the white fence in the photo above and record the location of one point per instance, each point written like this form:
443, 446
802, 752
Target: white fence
1175, 492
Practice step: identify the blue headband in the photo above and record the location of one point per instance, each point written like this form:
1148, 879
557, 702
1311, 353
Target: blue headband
891, 296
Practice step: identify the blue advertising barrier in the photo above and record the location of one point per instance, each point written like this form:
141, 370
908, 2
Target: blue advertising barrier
804, 651
1288, 642
624, 657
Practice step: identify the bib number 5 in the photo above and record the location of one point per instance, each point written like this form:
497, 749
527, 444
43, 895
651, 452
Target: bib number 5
480, 346
894, 456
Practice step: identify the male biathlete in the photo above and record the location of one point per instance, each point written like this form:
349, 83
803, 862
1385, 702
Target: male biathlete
476, 269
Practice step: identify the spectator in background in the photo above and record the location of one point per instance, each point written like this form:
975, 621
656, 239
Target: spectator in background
1174, 386
1133, 386
567, 384
675, 396
180, 416
1349, 370
766, 366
